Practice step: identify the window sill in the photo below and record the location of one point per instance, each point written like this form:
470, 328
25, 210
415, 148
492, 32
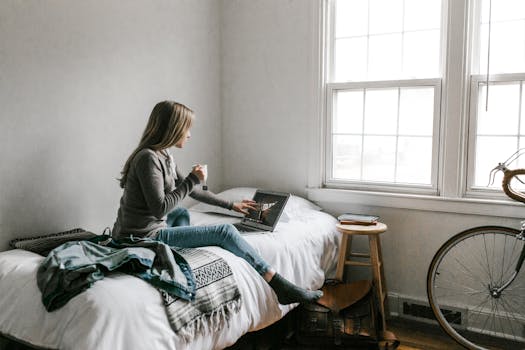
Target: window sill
473, 206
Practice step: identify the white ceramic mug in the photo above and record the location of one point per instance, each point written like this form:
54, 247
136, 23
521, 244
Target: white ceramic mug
205, 171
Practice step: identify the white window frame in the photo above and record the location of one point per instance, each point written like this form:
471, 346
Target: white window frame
330, 181
453, 194
475, 80
331, 88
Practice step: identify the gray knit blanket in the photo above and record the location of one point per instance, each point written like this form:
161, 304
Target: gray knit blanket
217, 296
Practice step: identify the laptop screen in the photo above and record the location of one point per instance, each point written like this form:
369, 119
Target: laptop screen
270, 206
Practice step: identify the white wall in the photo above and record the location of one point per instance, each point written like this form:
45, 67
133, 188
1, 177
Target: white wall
78, 80
267, 92
269, 110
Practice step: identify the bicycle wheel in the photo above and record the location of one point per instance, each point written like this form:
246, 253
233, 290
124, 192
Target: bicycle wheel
462, 287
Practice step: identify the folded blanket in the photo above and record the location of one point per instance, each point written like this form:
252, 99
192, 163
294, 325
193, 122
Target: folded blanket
43, 244
217, 296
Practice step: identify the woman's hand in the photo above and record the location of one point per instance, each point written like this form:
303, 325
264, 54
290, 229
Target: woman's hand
242, 207
199, 171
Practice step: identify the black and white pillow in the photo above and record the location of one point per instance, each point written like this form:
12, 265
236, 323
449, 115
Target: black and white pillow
44, 244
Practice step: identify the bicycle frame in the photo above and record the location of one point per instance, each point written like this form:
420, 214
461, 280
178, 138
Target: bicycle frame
496, 292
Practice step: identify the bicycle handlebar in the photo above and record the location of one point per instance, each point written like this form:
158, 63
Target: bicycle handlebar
508, 175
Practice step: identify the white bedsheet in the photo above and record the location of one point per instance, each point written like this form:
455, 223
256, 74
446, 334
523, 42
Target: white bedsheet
124, 312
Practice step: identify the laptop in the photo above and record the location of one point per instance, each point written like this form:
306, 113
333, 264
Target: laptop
270, 206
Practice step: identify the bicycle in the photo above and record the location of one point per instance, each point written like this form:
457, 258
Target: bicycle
474, 284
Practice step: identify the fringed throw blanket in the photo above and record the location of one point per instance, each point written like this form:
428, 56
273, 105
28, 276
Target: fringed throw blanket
216, 298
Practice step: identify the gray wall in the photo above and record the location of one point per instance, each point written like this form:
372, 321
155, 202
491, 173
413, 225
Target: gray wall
267, 92
78, 80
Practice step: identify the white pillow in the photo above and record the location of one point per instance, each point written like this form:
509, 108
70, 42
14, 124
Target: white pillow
296, 206
237, 194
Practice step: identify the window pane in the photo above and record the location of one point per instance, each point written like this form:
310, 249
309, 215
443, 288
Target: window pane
351, 18
507, 47
384, 57
348, 116
393, 39
503, 10
503, 106
379, 158
416, 111
381, 111
414, 160
350, 59
520, 162
422, 14
421, 54
386, 16
491, 150
347, 157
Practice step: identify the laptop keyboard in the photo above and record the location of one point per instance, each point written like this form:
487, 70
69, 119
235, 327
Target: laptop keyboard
242, 228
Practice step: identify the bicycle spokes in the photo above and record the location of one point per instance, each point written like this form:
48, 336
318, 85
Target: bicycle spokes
474, 275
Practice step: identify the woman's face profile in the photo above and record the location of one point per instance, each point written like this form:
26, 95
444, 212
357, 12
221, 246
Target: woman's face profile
183, 140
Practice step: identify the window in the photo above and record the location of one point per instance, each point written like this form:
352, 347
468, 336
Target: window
498, 121
406, 96
384, 93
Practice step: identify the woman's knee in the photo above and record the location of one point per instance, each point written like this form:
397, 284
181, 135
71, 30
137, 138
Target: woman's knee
184, 211
228, 231
178, 217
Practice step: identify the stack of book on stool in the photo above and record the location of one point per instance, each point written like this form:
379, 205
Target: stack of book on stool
357, 219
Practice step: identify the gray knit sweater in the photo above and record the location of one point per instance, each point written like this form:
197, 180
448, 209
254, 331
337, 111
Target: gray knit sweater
151, 191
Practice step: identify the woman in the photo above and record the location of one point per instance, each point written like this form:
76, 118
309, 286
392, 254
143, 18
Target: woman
154, 186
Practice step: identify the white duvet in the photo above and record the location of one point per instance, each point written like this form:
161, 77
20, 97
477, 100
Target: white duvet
124, 312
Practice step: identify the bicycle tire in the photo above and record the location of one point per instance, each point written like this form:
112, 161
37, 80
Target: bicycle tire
461, 282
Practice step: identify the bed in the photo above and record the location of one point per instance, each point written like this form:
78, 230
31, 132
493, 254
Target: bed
303, 248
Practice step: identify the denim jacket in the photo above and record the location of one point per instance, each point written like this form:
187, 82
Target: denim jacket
74, 266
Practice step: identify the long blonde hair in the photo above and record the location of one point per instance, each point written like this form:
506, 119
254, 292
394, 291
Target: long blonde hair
167, 125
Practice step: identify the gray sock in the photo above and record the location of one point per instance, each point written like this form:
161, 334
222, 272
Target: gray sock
288, 293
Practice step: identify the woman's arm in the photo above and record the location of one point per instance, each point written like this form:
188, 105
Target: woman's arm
151, 179
205, 196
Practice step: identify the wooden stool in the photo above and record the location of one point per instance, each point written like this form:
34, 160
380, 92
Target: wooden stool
375, 259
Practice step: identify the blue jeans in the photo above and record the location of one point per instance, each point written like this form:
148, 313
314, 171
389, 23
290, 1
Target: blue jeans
225, 236
178, 217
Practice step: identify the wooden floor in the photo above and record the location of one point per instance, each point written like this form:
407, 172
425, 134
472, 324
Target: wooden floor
421, 336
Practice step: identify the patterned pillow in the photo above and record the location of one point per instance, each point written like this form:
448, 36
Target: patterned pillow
44, 244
